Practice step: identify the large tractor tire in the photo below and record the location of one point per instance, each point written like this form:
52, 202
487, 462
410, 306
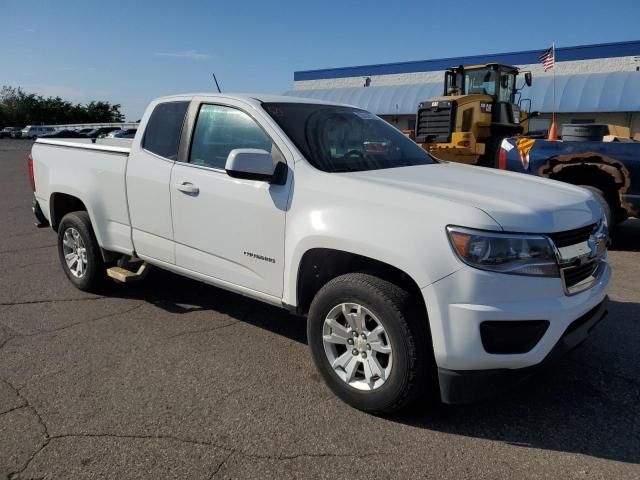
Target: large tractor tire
584, 132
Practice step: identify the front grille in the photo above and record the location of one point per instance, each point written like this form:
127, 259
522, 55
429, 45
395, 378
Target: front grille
580, 266
434, 124
574, 275
571, 237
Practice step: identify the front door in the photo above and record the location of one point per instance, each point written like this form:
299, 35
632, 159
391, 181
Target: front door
227, 228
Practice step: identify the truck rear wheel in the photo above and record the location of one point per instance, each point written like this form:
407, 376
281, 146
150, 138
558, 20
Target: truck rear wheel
79, 251
369, 344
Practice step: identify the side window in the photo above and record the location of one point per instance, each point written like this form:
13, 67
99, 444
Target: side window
221, 129
162, 135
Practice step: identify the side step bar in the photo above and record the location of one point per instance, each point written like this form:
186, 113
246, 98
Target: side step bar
129, 270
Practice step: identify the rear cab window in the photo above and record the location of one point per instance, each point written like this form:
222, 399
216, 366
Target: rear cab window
162, 134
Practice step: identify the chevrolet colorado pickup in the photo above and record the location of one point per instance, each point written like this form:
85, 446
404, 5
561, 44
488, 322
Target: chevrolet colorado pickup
417, 277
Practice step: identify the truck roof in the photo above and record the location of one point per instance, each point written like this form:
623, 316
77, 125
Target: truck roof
253, 98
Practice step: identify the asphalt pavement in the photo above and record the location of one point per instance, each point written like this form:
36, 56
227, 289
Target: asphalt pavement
171, 378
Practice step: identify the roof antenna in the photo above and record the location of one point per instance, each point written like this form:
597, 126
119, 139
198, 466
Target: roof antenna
216, 80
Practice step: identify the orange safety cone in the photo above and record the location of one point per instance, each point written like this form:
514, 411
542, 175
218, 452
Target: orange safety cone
553, 131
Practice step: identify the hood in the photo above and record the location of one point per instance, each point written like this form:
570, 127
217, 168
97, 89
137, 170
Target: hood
517, 202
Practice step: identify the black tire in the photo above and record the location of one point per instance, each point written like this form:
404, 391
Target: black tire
584, 132
605, 203
412, 373
94, 273
491, 150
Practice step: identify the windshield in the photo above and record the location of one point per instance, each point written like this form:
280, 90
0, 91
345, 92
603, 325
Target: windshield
481, 81
345, 139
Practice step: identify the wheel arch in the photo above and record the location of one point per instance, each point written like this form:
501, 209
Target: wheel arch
606, 174
605, 181
320, 265
592, 175
62, 203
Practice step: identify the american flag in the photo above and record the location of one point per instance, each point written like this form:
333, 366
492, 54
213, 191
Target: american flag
547, 59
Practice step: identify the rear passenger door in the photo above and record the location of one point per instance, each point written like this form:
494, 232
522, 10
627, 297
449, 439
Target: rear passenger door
227, 228
148, 176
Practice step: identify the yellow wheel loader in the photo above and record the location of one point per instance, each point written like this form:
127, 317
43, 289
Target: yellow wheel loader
476, 111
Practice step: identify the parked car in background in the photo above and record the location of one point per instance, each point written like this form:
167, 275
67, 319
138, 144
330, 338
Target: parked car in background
101, 132
35, 131
84, 131
16, 134
7, 131
127, 133
66, 133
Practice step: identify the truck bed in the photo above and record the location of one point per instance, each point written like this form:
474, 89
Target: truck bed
116, 144
95, 172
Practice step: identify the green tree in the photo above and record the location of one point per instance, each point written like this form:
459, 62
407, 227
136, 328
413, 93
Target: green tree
18, 108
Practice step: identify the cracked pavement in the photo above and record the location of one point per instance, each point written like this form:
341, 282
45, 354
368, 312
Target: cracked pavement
171, 378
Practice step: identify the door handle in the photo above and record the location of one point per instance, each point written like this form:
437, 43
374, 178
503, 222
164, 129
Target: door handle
187, 187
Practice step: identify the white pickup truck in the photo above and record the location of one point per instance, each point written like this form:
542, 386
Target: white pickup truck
417, 277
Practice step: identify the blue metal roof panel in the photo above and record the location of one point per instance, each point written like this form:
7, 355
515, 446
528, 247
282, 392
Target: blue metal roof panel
563, 54
592, 92
384, 100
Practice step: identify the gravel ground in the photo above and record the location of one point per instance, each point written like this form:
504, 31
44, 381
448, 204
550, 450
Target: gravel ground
171, 378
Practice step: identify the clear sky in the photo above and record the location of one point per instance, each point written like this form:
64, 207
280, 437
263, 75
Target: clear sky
129, 52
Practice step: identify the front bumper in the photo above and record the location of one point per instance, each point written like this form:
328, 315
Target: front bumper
460, 303
467, 386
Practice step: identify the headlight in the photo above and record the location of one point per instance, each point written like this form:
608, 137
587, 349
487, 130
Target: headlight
504, 252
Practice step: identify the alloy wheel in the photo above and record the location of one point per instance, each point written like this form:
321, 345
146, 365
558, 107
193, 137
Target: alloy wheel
357, 346
75, 252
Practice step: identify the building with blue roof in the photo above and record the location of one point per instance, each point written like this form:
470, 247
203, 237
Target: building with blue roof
594, 84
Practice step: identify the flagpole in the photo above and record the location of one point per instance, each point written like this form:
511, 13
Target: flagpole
553, 131
553, 46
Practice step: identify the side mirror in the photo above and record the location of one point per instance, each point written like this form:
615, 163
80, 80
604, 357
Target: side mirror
250, 164
528, 79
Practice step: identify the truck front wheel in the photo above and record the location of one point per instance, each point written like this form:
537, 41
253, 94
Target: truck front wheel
369, 343
79, 251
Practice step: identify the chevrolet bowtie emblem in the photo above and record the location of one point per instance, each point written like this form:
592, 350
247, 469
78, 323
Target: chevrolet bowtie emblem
593, 245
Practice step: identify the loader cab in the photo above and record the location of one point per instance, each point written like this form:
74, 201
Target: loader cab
493, 86
496, 80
